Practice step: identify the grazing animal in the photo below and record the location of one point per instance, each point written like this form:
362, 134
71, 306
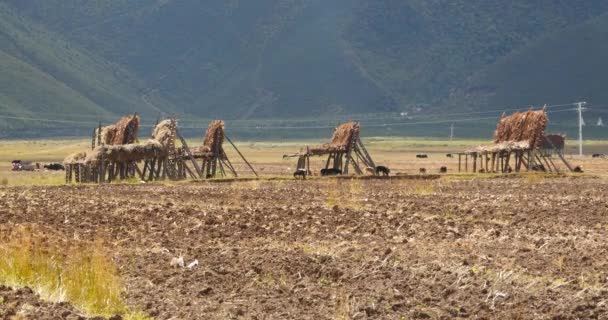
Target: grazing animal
383, 170
54, 166
422, 156
331, 172
598, 155
481, 171
443, 170
302, 173
422, 170
578, 169
449, 155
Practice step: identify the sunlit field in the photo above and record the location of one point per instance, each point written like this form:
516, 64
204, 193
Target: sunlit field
416, 246
399, 154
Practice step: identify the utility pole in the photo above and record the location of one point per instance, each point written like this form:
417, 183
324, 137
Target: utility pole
580, 127
452, 132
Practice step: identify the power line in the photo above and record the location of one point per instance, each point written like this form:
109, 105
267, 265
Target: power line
340, 118
283, 127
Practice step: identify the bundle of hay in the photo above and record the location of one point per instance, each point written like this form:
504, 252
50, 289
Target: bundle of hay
75, 158
126, 130
164, 132
107, 134
343, 134
526, 126
214, 135
502, 146
126, 153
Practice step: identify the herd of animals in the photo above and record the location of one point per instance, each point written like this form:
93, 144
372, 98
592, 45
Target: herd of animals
20, 165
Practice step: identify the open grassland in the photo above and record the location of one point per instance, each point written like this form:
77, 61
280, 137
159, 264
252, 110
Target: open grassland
530, 247
266, 156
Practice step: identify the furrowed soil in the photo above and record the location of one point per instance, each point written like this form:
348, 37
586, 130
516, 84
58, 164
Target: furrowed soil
526, 248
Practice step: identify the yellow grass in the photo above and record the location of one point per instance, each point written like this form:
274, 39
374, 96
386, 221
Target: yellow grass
82, 274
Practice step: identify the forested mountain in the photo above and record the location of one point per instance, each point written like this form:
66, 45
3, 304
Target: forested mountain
288, 58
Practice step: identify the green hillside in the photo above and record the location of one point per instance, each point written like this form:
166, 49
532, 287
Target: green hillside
44, 76
301, 58
567, 66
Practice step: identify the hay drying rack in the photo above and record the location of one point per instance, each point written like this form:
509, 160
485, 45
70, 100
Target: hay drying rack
519, 137
345, 149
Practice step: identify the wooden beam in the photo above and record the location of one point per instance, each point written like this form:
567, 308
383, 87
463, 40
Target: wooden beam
362, 147
189, 154
459, 161
243, 157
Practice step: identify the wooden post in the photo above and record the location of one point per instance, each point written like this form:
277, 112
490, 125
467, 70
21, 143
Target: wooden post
487, 163
459, 161
328, 160
466, 162
362, 147
247, 162
152, 164
189, 154
475, 162
508, 157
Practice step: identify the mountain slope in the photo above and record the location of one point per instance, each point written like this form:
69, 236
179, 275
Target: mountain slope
241, 59
44, 76
565, 67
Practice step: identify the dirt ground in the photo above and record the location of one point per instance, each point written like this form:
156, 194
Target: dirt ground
25, 304
481, 248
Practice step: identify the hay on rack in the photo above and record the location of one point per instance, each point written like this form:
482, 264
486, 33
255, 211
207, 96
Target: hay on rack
526, 126
75, 158
214, 137
340, 141
107, 134
164, 133
126, 153
500, 147
126, 130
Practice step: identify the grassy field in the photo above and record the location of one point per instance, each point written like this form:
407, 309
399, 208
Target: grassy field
266, 156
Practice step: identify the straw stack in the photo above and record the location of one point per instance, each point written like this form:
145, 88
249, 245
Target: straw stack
126, 130
526, 126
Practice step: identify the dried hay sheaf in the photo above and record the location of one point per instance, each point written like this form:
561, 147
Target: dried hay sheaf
503, 146
107, 134
343, 134
125, 153
75, 158
214, 134
126, 130
164, 132
526, 126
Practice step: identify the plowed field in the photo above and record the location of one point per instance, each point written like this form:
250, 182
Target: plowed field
528, 248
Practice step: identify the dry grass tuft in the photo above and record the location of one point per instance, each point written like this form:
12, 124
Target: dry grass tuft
81, 274
534, 178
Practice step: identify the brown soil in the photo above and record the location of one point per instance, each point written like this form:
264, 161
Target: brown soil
524, 248
25, 304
